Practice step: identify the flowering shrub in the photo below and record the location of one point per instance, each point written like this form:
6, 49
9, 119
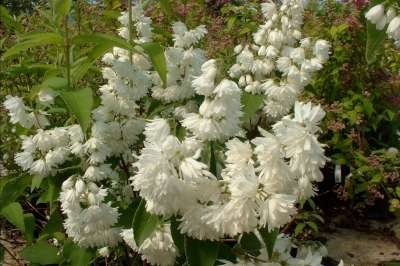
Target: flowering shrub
165, 162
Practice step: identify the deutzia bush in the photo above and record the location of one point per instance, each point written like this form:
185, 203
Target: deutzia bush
182, 145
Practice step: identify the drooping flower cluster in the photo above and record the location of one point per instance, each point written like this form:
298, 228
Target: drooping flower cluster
390, 18
89, 220
258, 186
281, 62
219, 114
43, 153
183, 64
19, 113
157, 249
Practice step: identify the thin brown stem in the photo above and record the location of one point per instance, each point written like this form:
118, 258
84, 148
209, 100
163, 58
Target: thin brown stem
12, 255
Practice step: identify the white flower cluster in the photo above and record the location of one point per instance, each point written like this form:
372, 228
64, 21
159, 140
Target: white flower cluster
183, 64
282, 255
89, 220
19, 113
43, 153
219, 114
141, 22
378, 16
280, 63
257, 188
157, 249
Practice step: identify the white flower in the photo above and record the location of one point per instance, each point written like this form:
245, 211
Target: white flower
104, 252
157, 249
18, 111
277, 210
219, 115
185, 38
393, 30
47, 96
375, 14
321, 50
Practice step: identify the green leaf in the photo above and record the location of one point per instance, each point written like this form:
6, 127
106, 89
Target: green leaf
77, 256
80, 104
166, 8
50, 193
269, 238
42, 253
201, 252
375, 40
144, 223
81, 66
36, 181
313, 225
398, 191
299, 228
54, 224
13, 189
177, 236
250, 243
56, 83
29, 221
8, 21
105, 40
250, 104
156, 53
14, 213
61, 8
33, 40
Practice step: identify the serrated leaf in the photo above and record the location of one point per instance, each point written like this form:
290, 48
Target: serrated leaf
201, 252
33, 40
102, 39
250, 104
375, 40
36, 181
144, 223
42, 253
269, 238
156, 53
14, 213
13, 189
79, 103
